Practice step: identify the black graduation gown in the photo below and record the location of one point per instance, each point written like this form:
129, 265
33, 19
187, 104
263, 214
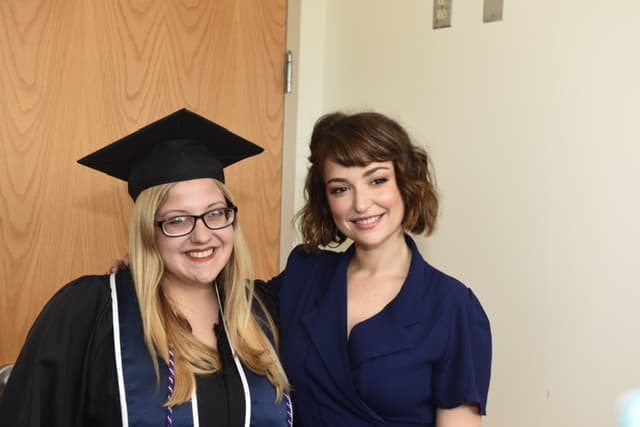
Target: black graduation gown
65, 375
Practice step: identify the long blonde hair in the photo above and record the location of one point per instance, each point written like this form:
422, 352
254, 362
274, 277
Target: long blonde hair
163, 328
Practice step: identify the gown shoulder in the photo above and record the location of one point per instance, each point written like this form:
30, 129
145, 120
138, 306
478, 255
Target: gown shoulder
62, 357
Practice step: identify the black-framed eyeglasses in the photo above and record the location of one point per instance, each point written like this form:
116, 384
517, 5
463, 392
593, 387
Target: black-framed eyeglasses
182, 225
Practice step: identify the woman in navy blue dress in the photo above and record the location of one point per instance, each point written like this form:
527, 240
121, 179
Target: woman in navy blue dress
374, 335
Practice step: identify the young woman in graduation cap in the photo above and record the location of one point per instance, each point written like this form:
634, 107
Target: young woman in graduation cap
181, 338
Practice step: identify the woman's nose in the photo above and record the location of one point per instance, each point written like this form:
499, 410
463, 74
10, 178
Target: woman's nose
361, 201
200, 232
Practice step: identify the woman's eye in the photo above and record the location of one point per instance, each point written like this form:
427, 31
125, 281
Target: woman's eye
379, 181
216, 213
176, 220
337, 190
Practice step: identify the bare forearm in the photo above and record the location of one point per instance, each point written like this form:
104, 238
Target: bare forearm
461, 416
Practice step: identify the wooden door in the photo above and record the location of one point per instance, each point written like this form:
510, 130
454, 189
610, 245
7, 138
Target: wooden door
76, 75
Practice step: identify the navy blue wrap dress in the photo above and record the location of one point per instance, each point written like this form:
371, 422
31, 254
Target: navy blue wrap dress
428, 348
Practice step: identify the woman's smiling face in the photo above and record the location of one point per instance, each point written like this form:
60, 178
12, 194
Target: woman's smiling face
197, 258
365, 202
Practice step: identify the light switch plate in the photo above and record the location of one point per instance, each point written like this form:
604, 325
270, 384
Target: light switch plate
441, 13
492, 10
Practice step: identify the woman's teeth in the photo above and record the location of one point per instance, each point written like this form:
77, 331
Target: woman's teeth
200, 254
366, 221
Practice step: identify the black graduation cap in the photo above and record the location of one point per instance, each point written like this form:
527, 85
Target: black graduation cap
178, 147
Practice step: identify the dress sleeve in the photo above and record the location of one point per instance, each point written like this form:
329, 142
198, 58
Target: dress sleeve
462, 375
296, 258
268, 297
46, 385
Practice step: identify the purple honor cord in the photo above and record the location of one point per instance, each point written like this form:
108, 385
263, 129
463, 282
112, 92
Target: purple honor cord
170, 382
287, 399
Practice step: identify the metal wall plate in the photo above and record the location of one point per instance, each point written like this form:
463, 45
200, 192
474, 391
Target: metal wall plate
441, 13
492, 10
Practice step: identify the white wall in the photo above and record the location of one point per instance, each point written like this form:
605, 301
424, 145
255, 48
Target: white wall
306, 27
533, 125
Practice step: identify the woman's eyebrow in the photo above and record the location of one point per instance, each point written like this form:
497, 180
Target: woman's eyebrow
374, 170
183, 211
339, 180
365, 174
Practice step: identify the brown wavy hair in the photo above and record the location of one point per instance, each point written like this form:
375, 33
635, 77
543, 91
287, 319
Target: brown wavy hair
357, 140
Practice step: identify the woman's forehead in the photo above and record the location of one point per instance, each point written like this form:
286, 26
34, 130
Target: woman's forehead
196, 193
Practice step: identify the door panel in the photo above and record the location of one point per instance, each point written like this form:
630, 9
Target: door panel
78, 74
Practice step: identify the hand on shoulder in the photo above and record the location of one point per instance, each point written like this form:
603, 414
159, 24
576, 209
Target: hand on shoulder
118, 264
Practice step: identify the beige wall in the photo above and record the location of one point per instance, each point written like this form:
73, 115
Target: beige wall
533, 125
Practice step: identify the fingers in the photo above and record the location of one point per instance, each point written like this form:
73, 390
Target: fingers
118, 264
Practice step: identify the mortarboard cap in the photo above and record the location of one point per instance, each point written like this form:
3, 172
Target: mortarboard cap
178, 147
